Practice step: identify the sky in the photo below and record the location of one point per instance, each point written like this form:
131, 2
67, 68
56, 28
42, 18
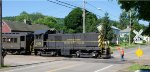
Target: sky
98, 7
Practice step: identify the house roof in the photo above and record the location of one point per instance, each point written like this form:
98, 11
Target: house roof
21, 26
126, 30
113, 27
35, 27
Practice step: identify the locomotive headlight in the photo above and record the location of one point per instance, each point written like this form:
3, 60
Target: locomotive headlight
39, 43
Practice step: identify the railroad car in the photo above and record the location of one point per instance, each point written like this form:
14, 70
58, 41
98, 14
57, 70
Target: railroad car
17, 42
77, 45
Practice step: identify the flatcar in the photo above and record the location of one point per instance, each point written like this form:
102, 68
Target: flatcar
17, 42
77, 45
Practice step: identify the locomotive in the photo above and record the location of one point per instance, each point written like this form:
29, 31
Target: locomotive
48, 42
76, 45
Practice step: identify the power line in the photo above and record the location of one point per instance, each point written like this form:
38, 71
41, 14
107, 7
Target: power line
91, 5
67, 3
59, 4
97, 8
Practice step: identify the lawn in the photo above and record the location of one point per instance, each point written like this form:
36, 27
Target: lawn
124, 45
135, 67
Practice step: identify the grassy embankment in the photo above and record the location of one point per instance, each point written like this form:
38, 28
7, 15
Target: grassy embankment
124, 45
135, 67
5, 66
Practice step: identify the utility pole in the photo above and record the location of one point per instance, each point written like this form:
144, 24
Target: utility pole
1, 57
83, 16
130, 30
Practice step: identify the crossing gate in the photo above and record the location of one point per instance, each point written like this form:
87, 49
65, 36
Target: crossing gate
100, 37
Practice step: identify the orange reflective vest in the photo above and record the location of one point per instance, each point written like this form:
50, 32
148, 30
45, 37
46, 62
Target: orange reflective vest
122, 52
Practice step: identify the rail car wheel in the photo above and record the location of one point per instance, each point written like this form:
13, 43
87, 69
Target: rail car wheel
35, 52
39, 53
78, 54
94, 54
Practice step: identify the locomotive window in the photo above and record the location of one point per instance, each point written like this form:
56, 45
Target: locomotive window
15, 40
8, 40
11, 40
4, 39
38, 36
22, 38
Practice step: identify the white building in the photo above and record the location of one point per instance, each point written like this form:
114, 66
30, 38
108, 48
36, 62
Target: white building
116, 31
124, 34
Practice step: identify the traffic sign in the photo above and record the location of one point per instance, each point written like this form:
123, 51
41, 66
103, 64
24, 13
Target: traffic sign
139, 52
138, 36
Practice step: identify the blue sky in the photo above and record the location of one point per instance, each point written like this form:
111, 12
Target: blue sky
15, 7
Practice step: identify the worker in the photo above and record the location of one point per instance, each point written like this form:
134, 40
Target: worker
122, 54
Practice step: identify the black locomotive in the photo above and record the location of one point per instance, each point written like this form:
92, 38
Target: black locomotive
48, 42
78, 45
17, 42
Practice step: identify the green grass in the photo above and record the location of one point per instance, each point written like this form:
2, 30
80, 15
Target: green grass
5, 66
124, 45
135, 67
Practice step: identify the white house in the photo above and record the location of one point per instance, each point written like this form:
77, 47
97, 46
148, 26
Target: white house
116, 31
124, 34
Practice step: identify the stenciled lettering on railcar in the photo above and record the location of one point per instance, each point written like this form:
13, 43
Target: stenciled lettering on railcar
73, 41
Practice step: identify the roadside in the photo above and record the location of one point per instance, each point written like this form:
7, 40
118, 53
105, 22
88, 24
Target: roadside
126, 46
13, 61
138, 63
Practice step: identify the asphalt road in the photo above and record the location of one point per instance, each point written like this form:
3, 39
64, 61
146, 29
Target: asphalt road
85, 64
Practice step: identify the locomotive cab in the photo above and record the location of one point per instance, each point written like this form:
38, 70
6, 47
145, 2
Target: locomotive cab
40, 37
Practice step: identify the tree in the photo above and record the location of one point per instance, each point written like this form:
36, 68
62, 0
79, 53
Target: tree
22, 16
91, 22
73, 21
108, 33
38, 18
141, 7
147, 31
124, 19
49, 21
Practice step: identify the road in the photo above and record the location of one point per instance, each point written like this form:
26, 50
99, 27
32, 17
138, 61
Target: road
85, 64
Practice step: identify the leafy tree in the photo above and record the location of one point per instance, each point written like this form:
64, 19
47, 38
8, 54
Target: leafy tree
147, 31
124, 19
49, 21
108, 32
141, 7
91, 22
73, 22
9, 18
22, 16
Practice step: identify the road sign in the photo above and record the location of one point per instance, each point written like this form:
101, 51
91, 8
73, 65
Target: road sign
139, 52
138, 36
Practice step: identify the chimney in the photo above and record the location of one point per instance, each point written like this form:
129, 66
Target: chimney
27, 21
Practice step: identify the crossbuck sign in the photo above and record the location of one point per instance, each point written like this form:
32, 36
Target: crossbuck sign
138, 36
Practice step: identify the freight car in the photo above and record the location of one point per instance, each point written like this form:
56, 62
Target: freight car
17, 42
77, 45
